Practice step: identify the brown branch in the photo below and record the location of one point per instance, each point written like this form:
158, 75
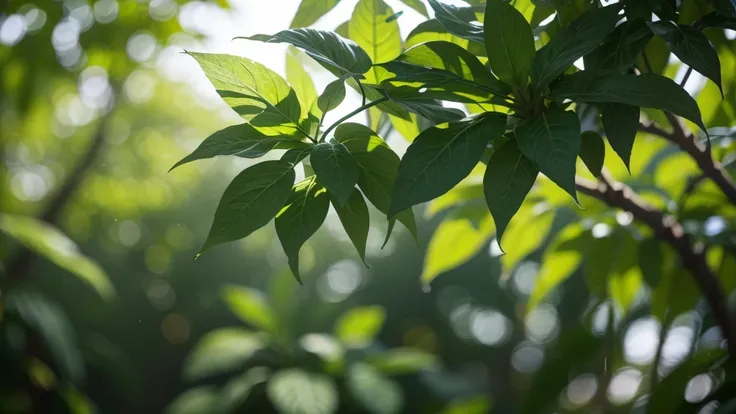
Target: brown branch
692, 254
687, 142
19, 265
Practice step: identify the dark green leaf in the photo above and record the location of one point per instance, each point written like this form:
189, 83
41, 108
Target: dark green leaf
417, 5
509, 42
620, 49
251, 200
221, 351
440, 157
378, 394
592, 152
716, 19
294, 391
432, 110
241, 140
49, 321
332, 96
725, 7
50, 243
580, 38
336, 169
461, 21
237, 390
295, 156
647, 90
574, 348
310, 11
620, 123
336, 54
432, 30
301, 217
356, 221
508, 178
651, 259
692, 48
251, 89
379, 166
552, 141
670, 393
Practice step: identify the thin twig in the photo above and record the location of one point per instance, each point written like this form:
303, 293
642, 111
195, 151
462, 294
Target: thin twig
667, 229
351, 114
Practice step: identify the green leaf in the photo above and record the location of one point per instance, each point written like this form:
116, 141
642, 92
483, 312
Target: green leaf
509, 43
608, 261
432, 110
336, 169
237, 390
295, 156
440, 157
250, 306
460, 21
358, 327
50, 322
378, 394
332, 96
303, 214
560, 260
574, 349
338, 55
370, 29
432, 30
552, 141
310, 11
379, 166
355, 220
691, 47
457, 239
620, 49
620, 123
197, 400
473, 405
251, 89
343, 29
50, 243
300, 80
220, 351
251, 200
647, 90
715, 19
294, 391
581, 37
243, 140
522, 240
724, 7
509, 177
670, 393
417, 5
592, 152
402, 361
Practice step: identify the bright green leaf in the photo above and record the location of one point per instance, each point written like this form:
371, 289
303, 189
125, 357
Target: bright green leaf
221, 351
523, 241
620, 123
509, 43
197, 400
251, 200
440, 157
379, 166
243, 140
359, 326
294, 391
355, 220
560, 260
250, 306
457, 239
300, 80
378, 394
552, 141
402, 360
237, 390
509, 177
336, 169
338, 55
310, 11
303, 214
592, 152
473, 405
647, 90
332, 96
370, 29
50, 243
417, 5
576, 40
432, 30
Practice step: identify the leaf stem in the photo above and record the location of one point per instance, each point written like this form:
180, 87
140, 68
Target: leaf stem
362, 91
351, 114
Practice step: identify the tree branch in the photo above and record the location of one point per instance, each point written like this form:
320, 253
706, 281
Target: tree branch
619, 195
687, 142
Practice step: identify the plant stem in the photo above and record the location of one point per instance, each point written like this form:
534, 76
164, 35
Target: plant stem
362, 91
667, 229
351, 114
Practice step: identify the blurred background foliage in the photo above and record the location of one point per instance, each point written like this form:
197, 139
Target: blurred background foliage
96, 104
